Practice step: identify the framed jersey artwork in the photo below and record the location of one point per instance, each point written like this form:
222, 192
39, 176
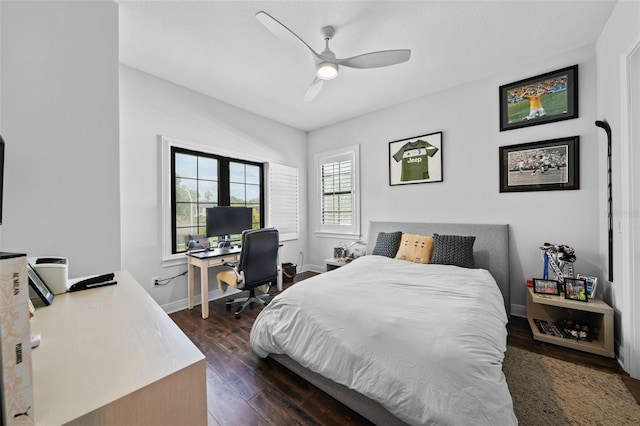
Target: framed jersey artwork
416, 160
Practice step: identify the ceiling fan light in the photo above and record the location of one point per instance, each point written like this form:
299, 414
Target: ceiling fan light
327, 70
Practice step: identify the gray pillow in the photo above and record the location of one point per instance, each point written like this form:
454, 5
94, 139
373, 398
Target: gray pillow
453, 250
387, 244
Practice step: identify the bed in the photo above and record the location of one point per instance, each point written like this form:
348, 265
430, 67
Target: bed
401, 342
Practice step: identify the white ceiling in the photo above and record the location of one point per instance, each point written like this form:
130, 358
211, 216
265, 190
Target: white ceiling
220, 49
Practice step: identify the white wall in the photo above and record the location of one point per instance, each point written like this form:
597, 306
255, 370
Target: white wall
468, 116
151, 106
620, 33
59, 114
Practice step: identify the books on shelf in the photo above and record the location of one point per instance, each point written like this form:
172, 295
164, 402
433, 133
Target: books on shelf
567, 329
549, 328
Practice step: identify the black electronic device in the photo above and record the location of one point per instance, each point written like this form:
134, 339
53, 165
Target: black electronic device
39, 286
222, 222
93, 281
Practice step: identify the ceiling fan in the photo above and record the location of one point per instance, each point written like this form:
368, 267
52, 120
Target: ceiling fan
327, 64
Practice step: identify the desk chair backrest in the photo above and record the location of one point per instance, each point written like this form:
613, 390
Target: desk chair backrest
259, 256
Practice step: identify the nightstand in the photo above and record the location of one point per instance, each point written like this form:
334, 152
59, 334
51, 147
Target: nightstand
595, 313
334, 264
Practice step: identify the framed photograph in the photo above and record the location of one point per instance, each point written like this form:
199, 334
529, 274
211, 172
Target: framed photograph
38, 286
416, 160
540, 166
539, 100
575, 289
592, 282
550, 287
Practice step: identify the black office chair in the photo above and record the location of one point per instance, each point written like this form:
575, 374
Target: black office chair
258, 265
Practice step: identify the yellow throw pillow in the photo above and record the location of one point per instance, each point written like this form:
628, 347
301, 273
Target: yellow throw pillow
415, 248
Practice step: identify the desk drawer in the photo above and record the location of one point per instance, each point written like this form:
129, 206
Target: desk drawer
217, 261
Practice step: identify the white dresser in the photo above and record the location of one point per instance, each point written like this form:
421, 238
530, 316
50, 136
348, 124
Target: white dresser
112, 356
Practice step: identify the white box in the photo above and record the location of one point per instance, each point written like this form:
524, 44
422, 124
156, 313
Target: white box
16, 388
54, 271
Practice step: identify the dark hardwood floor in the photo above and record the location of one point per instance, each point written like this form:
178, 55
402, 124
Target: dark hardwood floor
243, 389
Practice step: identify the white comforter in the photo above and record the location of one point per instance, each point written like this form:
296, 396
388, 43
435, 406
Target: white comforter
425, 341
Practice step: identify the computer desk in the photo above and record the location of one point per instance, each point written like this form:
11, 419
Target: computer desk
207, 259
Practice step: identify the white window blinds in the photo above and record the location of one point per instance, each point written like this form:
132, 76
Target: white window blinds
338, 192
283, 200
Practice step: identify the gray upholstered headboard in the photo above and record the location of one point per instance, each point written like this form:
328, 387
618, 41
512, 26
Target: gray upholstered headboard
490, 250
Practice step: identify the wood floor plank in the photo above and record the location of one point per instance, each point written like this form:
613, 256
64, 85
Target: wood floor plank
331, 412
227, 406
293, 386
234, 372
277, 409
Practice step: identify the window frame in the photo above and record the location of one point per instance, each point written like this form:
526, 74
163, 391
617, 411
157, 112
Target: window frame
168, 147
350, 153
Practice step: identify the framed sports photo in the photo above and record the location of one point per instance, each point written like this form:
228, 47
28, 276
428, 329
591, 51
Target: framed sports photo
542, 99
550, 287
575, 289
592, 282
540, 166
416, 160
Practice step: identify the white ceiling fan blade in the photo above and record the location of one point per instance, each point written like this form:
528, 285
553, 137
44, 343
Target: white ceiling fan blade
313, 90
281, 31
383, 58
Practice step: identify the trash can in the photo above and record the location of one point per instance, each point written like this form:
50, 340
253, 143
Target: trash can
288, 271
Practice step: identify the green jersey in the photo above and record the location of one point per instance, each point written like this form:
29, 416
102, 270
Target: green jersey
414, 156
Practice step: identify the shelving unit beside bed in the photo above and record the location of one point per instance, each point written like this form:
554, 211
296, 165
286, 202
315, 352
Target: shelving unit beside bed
595, 313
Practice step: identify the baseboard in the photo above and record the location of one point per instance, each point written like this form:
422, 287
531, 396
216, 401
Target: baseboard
182, 304
315, 268
518, 310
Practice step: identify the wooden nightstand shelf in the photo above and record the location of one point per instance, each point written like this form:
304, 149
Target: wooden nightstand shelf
334, 264
594, 313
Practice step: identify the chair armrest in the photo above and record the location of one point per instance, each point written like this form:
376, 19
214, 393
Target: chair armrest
231, 264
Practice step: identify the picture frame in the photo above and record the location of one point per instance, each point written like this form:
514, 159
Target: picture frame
416, 160
575, 289
592, 283
540, 166
39, 287
545, 98
548, 287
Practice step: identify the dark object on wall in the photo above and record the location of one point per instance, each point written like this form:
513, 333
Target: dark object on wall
545, 98
1, 174
540, 166
607, 128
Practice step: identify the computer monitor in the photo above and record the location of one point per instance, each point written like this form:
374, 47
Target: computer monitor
225, 221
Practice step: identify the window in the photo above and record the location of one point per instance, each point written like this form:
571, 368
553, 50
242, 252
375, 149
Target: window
200, 180
283, 200
338, 188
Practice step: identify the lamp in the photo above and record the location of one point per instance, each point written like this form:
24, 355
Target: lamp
327, 70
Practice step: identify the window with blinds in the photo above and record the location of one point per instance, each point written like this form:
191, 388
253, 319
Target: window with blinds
283, 201
338, 189
337, 208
